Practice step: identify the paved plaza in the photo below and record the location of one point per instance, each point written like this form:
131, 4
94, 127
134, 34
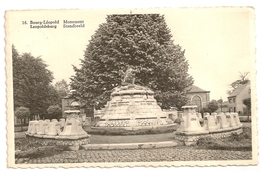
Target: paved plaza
180, 153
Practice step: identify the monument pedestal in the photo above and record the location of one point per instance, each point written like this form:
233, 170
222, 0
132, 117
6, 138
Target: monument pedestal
72, 136
190, 129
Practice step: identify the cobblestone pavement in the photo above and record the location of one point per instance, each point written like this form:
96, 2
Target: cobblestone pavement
139, 155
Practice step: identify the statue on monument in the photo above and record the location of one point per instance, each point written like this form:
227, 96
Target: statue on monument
129, 76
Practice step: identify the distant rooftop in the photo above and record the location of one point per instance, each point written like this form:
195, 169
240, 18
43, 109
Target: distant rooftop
238, 89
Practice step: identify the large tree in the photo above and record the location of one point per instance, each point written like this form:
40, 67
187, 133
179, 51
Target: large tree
62, 89
32, 83
142, 42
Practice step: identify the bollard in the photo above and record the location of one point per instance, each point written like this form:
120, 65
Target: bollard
34, 127
40, 130
237, 120
192, 123
212, 126
230, 119
222, 121
205, 123
46, 126
52, 129
30, 127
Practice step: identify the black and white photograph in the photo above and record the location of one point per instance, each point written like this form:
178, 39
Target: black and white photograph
153, 87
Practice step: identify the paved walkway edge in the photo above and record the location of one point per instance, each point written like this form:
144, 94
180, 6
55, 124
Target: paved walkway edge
130, 145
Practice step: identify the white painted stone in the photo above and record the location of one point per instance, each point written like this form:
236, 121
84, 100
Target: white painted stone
205, 123
183, 123
62, 122
222, 121
46, 126
237, 120
130, 104
192, 124
206, 114
40, 130
212, 124
57, 126
200, 117
215, 117
30, 127
230, 119
34, 127
73, 128
52, 131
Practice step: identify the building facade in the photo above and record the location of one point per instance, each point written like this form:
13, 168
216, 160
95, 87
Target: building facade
198, 97
70, 103
236, 98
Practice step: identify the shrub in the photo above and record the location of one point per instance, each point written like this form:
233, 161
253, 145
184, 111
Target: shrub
178, 120
54, 112
120, 131
205, 141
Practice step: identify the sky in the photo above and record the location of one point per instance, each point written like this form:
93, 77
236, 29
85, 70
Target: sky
218, 42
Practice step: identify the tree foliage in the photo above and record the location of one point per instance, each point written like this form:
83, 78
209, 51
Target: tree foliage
32, 83
212, 106
22, 113
142, 42
62, 90
247, 102
54, 112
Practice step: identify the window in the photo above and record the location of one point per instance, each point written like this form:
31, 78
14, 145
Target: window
234, 100
196, 101
234, 109
230, 100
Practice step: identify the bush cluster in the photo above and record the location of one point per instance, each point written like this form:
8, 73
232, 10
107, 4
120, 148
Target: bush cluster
120, 131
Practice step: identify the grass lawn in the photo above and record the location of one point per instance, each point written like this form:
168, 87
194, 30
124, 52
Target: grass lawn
106, 139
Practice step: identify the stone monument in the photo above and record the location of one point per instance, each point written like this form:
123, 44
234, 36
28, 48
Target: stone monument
131, 107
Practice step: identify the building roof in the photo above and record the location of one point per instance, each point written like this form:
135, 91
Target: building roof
238, 90
195, 89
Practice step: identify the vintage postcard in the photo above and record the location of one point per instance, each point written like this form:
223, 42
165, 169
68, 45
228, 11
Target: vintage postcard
141, 87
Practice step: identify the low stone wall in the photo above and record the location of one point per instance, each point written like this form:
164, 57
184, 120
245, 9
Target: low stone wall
192, 139
71, 144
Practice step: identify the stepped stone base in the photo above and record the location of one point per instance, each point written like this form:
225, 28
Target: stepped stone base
68, 143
